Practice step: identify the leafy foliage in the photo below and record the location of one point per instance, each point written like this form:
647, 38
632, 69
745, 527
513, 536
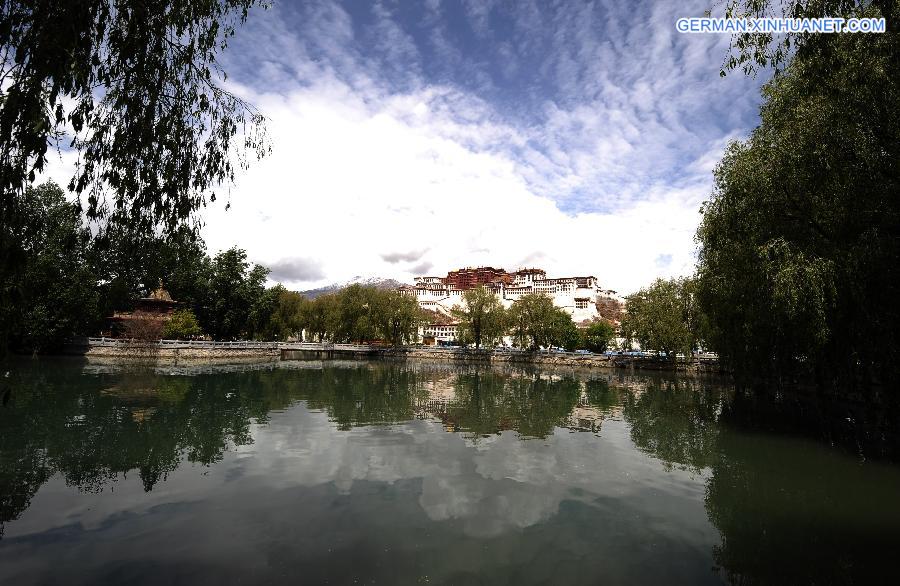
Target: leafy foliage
285, 310
481, 318
135, 90
182, 325
536, 323
319, 317
754, 51
355, 320
135, 87
358, 313
54, 295
799, 244
235, 300
663, 317
397, 317
596, 336
130, 264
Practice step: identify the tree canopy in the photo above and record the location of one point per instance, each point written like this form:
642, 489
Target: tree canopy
136, 90
236, 289
597, 336
535, 323
751, 52
481, 319
397, 317
663, 317
361, 314
799, 245
55, 294
182, 325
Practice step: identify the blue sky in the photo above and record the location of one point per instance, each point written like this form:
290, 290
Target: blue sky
415, 137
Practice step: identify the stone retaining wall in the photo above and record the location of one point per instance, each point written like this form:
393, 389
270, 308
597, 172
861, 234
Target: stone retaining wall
152, 354
551, 360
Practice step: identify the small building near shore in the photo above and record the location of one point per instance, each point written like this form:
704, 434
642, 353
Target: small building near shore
147, 319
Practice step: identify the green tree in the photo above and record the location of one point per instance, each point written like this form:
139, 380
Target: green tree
663, 317
319, 317
565, 333
182, 325
535, 323
286, 318
55, 294
130, 264
800, 242
136, 90
354, 316
236, 291
754, 51
597, 336
482, 319
397, 317
160, 132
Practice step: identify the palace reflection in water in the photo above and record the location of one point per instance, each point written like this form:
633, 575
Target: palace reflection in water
401, 473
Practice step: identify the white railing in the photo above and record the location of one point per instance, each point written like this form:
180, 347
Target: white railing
179, 344
327, 346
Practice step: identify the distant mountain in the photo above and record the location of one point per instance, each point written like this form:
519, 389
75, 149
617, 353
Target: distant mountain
376, 282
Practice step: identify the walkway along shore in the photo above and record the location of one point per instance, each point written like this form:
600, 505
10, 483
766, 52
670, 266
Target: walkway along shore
247, 351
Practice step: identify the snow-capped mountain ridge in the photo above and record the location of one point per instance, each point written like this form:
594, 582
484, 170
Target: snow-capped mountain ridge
377, 282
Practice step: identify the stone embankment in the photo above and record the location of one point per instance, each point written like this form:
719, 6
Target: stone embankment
555, 359
225, 352
175, 351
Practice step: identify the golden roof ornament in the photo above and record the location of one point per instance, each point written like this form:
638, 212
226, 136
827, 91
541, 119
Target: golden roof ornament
161, 294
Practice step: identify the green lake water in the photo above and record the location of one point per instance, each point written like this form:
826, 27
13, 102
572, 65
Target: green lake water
386, 473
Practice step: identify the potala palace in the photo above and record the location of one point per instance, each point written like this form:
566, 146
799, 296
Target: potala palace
577, 295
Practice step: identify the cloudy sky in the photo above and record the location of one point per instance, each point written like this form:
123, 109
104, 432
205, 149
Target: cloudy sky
413, 138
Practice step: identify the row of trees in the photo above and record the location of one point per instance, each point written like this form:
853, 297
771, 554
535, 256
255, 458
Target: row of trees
358, 314
70, 280
532, 321
73, 279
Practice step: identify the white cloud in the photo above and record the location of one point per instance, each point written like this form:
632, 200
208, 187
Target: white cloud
603, 175
352, 176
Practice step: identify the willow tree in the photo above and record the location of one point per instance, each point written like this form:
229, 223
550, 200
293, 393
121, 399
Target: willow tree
534, 322
397, 317
752, 52
134, 89
481, 317
800, 243
663, 317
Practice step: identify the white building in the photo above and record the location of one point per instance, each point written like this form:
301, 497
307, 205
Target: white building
577, 295
439, 333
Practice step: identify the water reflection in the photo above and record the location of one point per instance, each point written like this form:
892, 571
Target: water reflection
676, 421
624, 477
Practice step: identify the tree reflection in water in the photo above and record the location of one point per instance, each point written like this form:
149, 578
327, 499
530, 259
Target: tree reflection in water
93, 429
788, 509
676, 421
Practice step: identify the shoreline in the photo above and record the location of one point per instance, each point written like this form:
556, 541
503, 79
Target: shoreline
222, 353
